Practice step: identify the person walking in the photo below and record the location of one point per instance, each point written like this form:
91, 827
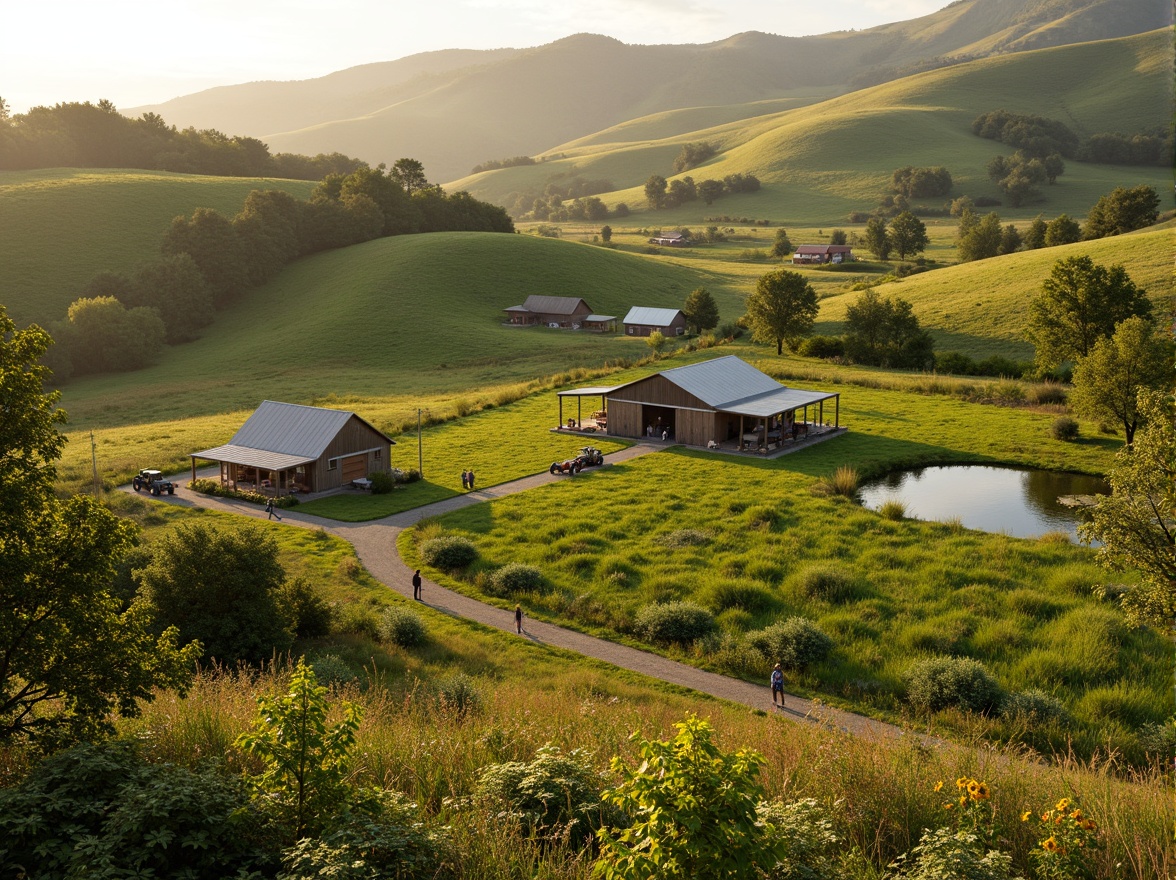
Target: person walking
465, 479
269, 509
777, 681
519, 619
471, 477
416, 584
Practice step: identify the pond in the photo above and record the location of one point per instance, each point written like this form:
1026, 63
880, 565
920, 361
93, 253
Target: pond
1018, 502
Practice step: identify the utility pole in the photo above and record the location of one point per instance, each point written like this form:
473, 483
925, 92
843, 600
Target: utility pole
94, 463
420, 449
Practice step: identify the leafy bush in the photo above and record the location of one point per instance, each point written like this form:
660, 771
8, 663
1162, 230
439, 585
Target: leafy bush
940, 682
459, 693
674, 622
308, 613
1034, 706
1064, 428
214, 488
449, 552
822, 347
794, 643
515, 578
403, 627
827, 583
331, 669
943, 854
809, 838
104, 805
555, 796
391, 843
382, 482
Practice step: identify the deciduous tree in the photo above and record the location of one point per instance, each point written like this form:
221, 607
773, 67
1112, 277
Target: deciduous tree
782, 246
70, 652
1062, 229
1136, 523
883, 331
701, 310
1081, 302
908, 235
410, 174
655, 191
982, 239
782, 306
877, 238
1122, 210
1108, 380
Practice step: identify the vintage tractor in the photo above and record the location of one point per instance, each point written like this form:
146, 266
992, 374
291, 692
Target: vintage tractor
590, 456
570, 466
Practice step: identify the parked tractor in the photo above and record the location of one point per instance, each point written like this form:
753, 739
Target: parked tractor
590, 456
153, 481
570, 466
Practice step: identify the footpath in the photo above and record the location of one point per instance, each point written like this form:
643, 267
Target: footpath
375, 544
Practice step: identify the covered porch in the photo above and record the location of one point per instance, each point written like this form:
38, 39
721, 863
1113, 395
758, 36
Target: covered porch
271, 473
597, 421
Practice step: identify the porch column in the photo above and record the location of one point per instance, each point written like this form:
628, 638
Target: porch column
837, 411
560, 396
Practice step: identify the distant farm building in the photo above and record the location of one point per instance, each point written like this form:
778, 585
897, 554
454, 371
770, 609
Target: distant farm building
642, 321
670, 239
563, 312
284, 448
822, 253
724, 403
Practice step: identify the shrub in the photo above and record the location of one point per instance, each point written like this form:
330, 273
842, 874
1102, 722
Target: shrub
331, 669
822, 347
674, 622
746, 597
1064, 428
402, 626
1034, 706
459, 693
382, 482
1047, 394
515, 578
959, 855
794, 643
449, 552
954, 363
940, 682
809, 838
555, 796
358, 619
308, 613
827, 583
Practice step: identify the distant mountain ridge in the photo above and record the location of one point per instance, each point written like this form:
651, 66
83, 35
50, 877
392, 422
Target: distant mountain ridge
457, 108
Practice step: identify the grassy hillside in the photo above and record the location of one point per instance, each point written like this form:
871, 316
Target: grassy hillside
820, 162
421, 314
966, 311
524, 102
60, 227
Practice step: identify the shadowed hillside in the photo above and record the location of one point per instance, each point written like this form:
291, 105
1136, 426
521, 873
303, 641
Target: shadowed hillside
453, 117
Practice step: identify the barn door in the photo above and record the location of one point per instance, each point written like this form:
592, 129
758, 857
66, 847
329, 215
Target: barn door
354, 468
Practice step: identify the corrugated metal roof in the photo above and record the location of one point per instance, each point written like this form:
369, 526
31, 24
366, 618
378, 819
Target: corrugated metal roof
599, 318
824, 249
732, 385
651, 317
593, 391
553, 305
258, 458
291, 429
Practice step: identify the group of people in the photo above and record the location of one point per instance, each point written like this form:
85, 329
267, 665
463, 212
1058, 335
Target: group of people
467, 479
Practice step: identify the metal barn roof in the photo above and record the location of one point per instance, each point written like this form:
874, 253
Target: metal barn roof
553, 305
651, 317
732, 385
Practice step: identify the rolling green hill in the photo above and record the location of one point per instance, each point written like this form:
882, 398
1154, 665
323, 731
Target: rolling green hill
980, 308
419, 314
818, 163
525, 102
60, 227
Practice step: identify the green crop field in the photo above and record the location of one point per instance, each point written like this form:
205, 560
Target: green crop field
58, 228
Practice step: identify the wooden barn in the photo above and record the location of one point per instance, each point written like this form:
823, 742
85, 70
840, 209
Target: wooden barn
822, 253
725, 402
566, 312
285, 447
642, 321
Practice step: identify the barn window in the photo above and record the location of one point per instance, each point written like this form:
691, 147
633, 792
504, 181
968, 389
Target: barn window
332, 464
377, 455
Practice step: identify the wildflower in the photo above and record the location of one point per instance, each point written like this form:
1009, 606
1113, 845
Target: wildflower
1063, 805
939, 785
1088, 825
948, 805
978, 791
962, 782
1076, 815
1050, 844
1025, 816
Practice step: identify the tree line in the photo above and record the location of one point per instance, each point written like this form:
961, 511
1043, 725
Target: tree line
1039, 137
209, 261
85, 135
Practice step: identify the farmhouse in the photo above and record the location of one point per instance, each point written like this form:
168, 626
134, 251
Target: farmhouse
720, 403
822, 253
564, 312
670, 239
284, 447
642, 321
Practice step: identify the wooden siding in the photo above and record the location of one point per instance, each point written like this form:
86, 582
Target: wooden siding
659, 391
624, 419
696, 428
354, 438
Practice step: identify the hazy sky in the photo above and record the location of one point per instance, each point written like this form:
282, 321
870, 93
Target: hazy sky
135, 52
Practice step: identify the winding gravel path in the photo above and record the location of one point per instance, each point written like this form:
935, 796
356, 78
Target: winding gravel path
375, 544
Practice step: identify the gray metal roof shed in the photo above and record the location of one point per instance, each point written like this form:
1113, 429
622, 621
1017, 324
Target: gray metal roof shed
651, 317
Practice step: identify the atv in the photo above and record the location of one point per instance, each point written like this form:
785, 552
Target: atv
153, 481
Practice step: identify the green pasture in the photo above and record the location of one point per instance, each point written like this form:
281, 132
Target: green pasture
822, 161
60, 227
607, 544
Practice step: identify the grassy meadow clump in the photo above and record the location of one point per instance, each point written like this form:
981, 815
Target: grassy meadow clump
888, 593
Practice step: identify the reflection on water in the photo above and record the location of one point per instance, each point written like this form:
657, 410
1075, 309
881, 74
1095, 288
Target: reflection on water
1022, 503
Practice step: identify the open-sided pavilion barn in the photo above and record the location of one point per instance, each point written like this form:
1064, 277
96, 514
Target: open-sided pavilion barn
285, 447
723, 402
